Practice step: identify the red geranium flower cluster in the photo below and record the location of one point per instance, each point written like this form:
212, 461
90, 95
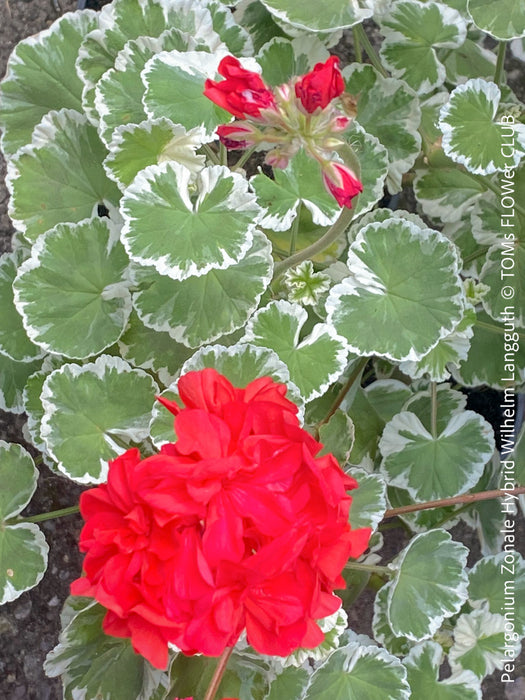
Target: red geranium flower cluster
237, 525
299, 114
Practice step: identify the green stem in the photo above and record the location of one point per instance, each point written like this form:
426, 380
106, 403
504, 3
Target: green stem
500, 63
329, 237
223, 154
357, 46
494, 188
369, 568
473, 256
354, 376
211, 154
433, 409
242, 160
218, 674
294, 229
467, 498
41, 517
369, 49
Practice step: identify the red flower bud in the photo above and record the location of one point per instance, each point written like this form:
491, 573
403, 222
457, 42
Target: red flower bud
319, 87
237, 135
342, 183
243, 93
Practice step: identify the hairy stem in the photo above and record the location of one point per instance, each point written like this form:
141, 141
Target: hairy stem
369, 49
500, 63
71, 510
357, 46
354, 376
218, 673
369, 568
466, 498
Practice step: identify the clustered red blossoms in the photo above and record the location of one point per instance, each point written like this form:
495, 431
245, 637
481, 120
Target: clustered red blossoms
237, 525
299, 114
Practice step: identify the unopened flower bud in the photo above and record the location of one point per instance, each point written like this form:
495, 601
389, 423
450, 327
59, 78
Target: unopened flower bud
342, 183
238, 135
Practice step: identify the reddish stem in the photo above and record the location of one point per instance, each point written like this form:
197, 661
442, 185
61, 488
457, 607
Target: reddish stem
218, 674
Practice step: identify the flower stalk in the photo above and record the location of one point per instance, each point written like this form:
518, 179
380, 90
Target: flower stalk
218, 674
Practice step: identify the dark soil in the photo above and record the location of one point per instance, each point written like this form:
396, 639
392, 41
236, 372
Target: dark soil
29, 626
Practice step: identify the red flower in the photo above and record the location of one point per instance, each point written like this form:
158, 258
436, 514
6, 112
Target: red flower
243, 93
319, 87
238, 525
342, 183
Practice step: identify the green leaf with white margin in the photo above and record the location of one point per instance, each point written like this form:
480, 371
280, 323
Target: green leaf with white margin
404, 292
388, 109
337, 436
33, 407
422, 520
304, 285
413, 31
387, 396
447, 193
41, 77
261, 25
283, 59
373, 160
498, 583
429, 584
300, 182
431, 467
357, 671
381, 626
374, 217
73, 292
13, 378
503, 19
368, 500
370, 426
485, 363
480, 643
152, 350
202, 309
59, 178
94, 665
423, 663
153, 141
85, 425
290, 684
449, 403
450, 351
470, 60
236, 38
510, 254
186, 226
333, 627
472, 134
314, 361
174, 83
23, 548
13, 338
336, 14
125, 20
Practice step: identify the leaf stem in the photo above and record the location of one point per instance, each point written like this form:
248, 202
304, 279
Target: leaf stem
354, 376
223, 154
218, 673
466, 498
294, 229
333, 233
369, 568
211, 154
70, 510
369, 49
242, 160
357, 46
500, 63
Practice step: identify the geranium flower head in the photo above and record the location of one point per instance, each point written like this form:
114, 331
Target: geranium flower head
242, 93
319, 87
342, 183
238, 525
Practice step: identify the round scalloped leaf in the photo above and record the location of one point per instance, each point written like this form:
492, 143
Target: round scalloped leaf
430, 584
60, 176
153, 141
174, 83
260, 24
486, 363
449, 403
41, 77
300, 182
202, 309
94, 665
498, 582
187, 227
13, 338
487, 517
423, 663
370, 426
373, 160
508, 258
23, 559
429, 466
503, 19
447, 193
472, 134
13, 378
381, 626
337, 436
152, 350
73, 291
18, 476
33, 407
412, 31
236, 38
403, 294
336, 14
480, 645
290, 683
470, 60
388, 109
355, 672
93, 413
314, 361
304, 285
387, 396
368, 500
281, 59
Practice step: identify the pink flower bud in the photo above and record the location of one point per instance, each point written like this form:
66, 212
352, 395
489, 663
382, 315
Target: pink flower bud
237, 135
277, 158
342, 183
